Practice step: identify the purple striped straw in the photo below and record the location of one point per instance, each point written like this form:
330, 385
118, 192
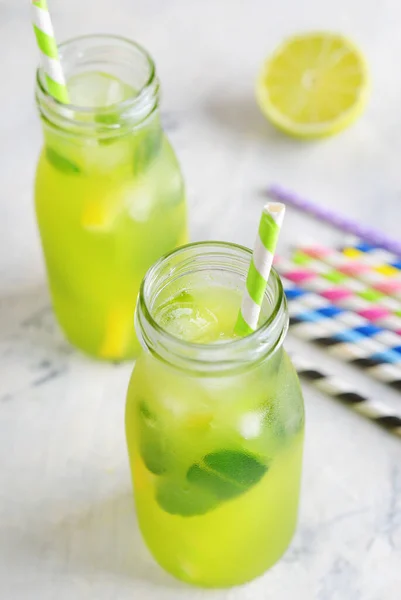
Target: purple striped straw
373, 236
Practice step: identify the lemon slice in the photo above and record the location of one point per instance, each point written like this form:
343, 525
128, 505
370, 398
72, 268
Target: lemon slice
314, 85
98, 215
102, 208
119, 324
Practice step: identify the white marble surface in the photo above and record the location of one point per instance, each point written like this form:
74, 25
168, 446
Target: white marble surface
67, 526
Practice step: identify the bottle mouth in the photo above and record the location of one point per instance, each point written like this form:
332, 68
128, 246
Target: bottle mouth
216, 261
112, 55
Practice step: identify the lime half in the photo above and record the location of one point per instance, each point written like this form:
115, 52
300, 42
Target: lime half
314, 85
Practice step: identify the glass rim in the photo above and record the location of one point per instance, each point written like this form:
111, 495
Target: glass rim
124, 104
238, 345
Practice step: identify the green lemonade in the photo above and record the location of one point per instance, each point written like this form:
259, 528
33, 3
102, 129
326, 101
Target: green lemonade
107, 209
216, 460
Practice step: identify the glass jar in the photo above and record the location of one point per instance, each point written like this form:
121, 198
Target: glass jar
214, 430
109, 192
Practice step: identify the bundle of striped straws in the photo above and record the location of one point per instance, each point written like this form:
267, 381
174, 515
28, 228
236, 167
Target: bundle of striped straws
348, 302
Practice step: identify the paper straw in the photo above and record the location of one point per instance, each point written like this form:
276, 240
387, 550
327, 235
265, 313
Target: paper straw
350, 353
359, 268
358, 287
260, 267
384, 262
316, 308
333, 218
340, 389
368, 354
364, 353
343, 296
51, 65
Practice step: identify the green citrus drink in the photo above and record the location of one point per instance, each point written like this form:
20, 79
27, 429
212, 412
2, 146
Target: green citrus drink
109, 195
214, 424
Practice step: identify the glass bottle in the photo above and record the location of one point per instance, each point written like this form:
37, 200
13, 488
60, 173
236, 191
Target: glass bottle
214, 423
109, 193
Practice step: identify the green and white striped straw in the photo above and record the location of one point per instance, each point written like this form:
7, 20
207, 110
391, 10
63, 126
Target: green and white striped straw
260, 267
51, 65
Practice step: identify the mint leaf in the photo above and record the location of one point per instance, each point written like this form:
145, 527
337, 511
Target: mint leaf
220, 488
242, 468
62, 164
108, 118
147, 147
218, 477
178, 498
152, 442
227, 473
184, 297
146, 413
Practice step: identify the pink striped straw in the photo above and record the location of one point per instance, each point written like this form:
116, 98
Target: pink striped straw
366, 292
337, 294
359, 269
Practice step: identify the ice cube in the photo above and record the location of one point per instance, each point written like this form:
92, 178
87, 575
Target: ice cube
251, 425
98, 90
139, 201
189, 322
99, 158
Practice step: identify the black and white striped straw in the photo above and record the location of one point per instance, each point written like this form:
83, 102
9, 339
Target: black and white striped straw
340, 389
366, 353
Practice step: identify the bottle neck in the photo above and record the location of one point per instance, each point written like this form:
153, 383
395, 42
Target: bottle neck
224, 264
116, 57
